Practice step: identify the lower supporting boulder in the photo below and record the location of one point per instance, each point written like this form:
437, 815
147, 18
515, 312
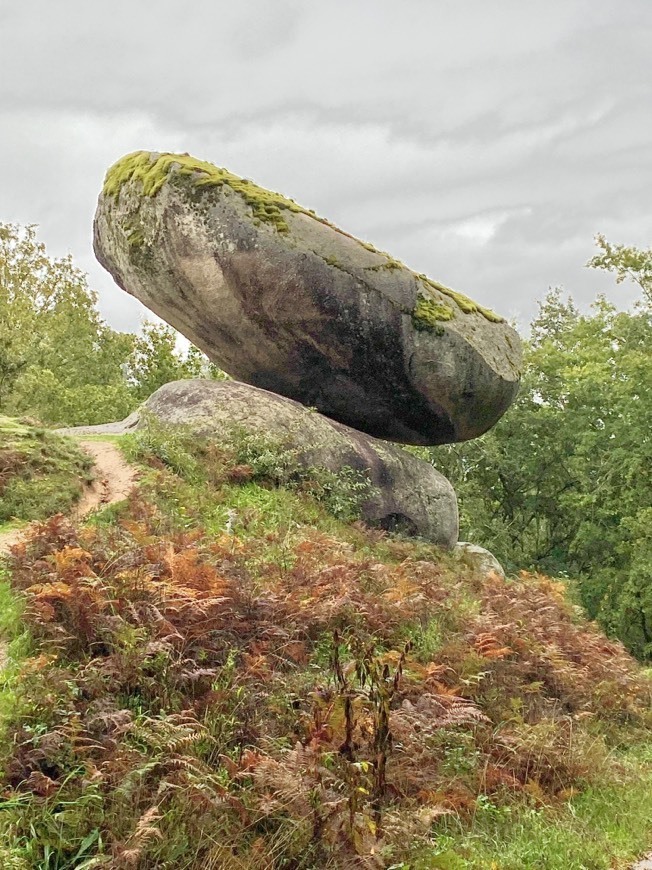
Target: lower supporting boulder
407, 494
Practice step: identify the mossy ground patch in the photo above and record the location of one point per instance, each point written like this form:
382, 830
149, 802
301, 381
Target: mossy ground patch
41, 473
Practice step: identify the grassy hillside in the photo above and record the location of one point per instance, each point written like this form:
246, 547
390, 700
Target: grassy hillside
41, 473
229, 672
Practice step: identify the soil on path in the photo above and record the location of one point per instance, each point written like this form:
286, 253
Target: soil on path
9, 538
114, 479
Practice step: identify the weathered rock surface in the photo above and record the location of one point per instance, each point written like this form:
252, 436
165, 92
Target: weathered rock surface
283, 300
408, 493
478, 559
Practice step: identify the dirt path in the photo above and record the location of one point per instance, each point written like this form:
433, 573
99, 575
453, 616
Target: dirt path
114, 478
8, 539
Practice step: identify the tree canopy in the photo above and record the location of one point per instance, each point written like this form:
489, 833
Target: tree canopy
59, 361
562, 484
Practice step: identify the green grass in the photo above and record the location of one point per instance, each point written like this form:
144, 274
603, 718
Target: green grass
11, 525
14, 646
608, 825
112, 439
273, 469
41, 473
9, 607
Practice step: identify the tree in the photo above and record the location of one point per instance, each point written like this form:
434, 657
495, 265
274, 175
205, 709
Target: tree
58, 360
10, 367
563, 483
628, 263
156, 360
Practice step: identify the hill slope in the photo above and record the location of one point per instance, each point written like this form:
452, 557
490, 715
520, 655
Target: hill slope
228, 672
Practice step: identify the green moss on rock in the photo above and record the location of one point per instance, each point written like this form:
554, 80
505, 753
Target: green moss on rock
389, 266
153, 170
428, 314
267, 207
468, 306
135, 234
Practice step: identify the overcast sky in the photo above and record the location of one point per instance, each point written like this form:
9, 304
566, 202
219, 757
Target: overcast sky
484, 142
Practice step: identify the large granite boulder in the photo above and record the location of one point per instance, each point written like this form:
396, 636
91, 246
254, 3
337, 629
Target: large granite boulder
407, 494
283, 300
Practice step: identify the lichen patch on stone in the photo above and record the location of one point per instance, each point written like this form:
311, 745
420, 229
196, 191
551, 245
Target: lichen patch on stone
428, 313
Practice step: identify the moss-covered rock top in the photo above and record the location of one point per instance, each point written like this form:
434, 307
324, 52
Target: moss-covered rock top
152, 170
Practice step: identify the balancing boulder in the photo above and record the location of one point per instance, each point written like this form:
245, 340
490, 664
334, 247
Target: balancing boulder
284, 300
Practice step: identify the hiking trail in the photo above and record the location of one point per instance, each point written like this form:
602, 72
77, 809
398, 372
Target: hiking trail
114, 479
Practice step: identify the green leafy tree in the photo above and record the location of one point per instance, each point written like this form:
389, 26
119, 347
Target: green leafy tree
10, 367
627, 263
563, 483
156, 360
58, 360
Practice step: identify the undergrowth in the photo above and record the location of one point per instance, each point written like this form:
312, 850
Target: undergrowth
241, 457
229, 675
41, 473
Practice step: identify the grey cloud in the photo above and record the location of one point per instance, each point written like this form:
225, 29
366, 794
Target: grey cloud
484, 143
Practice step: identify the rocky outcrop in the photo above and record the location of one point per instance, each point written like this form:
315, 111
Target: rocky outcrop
407, 494
283, 300
478, 559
